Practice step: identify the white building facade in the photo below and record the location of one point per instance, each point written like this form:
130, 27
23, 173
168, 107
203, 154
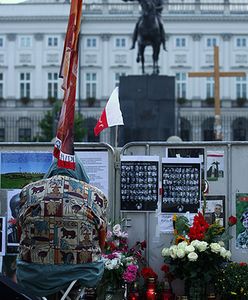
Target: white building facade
31, 43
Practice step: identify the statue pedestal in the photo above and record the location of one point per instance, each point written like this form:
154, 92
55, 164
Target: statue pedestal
148, 106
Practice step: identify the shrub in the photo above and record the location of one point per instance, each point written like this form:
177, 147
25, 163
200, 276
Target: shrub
232, 281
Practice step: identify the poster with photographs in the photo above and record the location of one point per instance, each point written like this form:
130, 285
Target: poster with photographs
188, 153
139, 183
2, 236
181, 185
12, 211
242, 223
215, 209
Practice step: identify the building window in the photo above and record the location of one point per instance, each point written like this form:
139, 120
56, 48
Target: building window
2, 134
180, 42
52, 41
25, 84
210, 87
25, 42
1, 85
241, 42
240, 129
1, 42
117, 78
52, 85
90, 85
181, 85
120, 42
211, 42
208, 130
24, 134
241, 87
185, 130
91, 43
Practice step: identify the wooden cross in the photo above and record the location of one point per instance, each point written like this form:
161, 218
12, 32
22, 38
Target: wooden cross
217, 74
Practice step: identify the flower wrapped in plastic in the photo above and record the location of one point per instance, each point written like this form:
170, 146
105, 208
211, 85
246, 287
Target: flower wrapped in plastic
198, 251
121, 262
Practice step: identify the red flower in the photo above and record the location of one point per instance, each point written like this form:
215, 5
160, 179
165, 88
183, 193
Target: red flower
243, 264
232, 220
148, 272
199, 227
165, 268
143, 245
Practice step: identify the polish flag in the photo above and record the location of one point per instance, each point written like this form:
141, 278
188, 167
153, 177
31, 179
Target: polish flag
111, 115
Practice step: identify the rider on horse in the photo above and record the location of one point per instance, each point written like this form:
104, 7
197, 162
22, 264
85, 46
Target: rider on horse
159, 7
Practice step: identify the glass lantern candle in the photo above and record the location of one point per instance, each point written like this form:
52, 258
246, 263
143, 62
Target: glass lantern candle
151, 289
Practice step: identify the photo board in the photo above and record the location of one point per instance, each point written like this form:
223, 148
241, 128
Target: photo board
181, 185
139, 183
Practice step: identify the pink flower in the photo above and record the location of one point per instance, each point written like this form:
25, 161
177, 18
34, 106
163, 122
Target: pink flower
130, 274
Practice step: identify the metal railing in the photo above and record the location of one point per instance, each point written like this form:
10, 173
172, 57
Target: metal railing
170, 8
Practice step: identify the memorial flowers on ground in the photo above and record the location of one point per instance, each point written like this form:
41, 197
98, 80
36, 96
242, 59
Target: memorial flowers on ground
198, 251
122, 263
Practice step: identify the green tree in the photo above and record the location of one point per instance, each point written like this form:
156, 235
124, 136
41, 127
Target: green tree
48, 125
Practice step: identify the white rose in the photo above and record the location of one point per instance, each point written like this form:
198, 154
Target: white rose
202, 246
115, 263
189, 249
192, 256
221, 243
180, 253
195, 243
117, 229
215, 247
223, 252
228, 254
182, 245
173, 251
108, 265
166, 252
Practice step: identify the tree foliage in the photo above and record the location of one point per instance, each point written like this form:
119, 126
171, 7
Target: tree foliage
48, 125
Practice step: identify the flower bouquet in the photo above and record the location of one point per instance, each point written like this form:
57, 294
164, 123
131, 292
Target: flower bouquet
121, 262
197, 253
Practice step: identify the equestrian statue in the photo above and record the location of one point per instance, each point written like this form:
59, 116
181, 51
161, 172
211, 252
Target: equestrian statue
149, 31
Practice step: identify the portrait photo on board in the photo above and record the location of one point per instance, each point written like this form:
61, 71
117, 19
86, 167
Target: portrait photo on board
215, 209
2, 236
13, 199
242, 221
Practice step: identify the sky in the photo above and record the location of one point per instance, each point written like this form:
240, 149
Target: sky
11, 1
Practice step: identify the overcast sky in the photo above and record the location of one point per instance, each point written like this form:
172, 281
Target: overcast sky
11, 1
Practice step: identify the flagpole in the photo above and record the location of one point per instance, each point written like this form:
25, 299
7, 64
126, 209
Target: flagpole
116, 136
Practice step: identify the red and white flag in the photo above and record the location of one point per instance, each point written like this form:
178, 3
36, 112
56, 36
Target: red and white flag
111, 115
64, 144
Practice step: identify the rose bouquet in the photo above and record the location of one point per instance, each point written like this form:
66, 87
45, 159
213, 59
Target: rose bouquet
198, 251
121, 262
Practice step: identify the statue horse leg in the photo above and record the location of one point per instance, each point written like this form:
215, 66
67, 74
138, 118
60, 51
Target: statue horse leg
156, 50
140, 56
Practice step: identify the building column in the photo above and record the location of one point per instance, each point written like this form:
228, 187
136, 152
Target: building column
11, 75
196, 83
105, 65
226, 87
38, 90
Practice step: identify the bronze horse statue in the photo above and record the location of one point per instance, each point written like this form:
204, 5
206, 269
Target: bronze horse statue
149, 31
